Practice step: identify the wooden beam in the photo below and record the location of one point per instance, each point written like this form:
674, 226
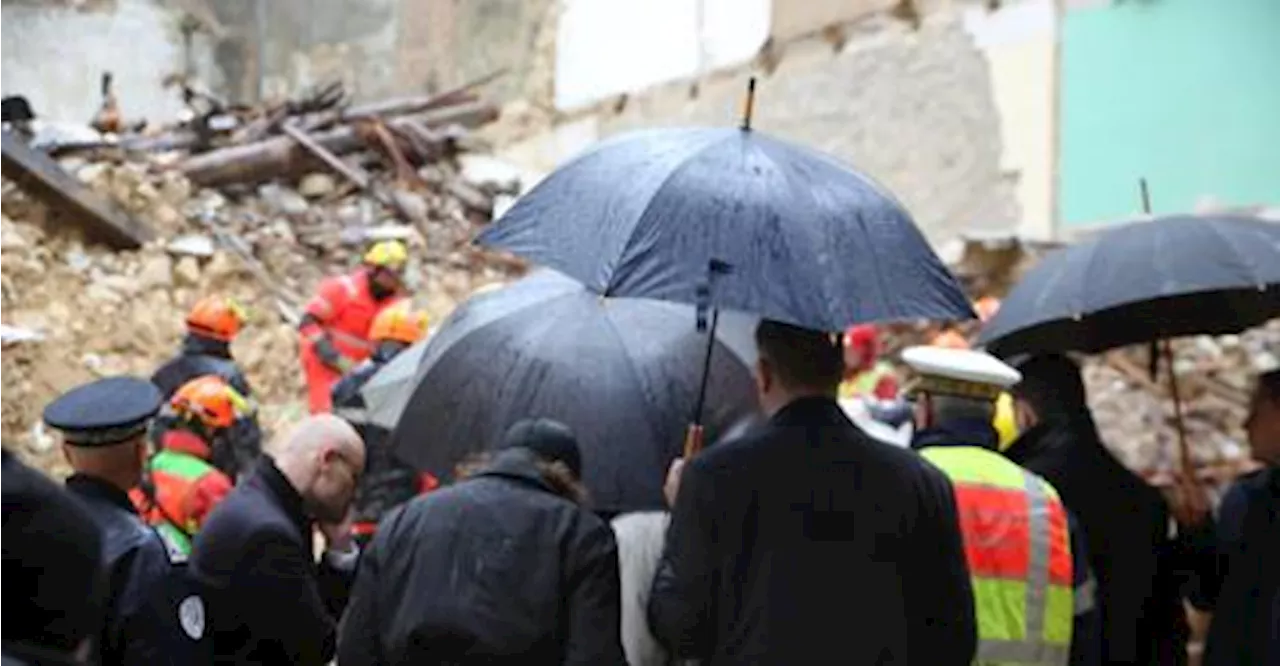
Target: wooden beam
359, 177
44, 179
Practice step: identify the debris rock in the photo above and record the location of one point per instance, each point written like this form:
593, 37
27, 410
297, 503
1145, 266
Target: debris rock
187, 272
316, 185
156, 271
192, 245
283, 200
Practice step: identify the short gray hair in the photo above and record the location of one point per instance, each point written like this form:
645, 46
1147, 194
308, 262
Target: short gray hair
946, 408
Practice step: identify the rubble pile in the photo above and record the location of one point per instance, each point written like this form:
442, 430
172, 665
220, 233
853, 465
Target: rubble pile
75, 308
1215, 378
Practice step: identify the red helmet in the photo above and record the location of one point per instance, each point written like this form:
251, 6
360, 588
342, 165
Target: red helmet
863, 337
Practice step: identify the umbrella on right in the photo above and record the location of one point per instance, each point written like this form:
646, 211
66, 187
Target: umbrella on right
1142, 283
1145, 281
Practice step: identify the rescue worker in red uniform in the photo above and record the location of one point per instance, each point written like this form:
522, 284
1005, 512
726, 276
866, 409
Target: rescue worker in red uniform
181, 485
335, 326
388, 481
1033, 591
212, 324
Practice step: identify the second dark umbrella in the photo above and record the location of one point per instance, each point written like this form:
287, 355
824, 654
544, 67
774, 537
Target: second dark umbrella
623, 373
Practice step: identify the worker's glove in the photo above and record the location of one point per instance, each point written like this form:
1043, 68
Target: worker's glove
330, 356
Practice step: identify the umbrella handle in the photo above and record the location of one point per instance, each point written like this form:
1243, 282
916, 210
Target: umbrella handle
692, 441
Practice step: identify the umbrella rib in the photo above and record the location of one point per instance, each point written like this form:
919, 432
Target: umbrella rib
631, 364
666, 180
1243, 257
822, 242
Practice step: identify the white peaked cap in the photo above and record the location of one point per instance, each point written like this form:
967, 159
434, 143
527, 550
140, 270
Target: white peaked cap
961, 365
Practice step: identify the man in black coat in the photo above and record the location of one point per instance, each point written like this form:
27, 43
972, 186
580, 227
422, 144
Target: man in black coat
1241, 582
1126, 521
54, 589
154, 614
269, 602
806, 541
504, 567
206, 350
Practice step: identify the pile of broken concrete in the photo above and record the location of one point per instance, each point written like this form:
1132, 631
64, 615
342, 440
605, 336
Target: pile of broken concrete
75, 309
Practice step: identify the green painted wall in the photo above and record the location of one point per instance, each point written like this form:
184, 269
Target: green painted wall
1183, 92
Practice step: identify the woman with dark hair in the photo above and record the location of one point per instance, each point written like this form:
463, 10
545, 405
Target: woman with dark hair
505, 566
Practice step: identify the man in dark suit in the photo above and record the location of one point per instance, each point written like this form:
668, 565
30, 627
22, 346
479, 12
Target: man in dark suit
805, 541
269, 602
1125, 521
54, 589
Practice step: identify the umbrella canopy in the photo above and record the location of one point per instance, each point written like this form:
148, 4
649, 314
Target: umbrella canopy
1145, 281
809, 241
623, 373
388, 390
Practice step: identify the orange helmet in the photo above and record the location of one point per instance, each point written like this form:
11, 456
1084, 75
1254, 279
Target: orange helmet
210, 400
398, 323
216, 317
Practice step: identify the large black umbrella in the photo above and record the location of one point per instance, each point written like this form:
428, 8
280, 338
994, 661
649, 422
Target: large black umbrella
622, 372
1145, 281
806, 240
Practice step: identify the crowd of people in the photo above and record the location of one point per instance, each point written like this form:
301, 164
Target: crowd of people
1004, 534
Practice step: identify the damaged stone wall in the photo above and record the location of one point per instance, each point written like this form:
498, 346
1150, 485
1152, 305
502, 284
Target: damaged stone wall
254, 50
911, 107
55, 54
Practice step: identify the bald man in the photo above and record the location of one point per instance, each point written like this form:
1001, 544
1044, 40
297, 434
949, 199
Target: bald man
269, 602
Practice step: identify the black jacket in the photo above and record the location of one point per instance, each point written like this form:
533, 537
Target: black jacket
27, 655
236, 450
387, 481
1126, 523
147, 585
1241, 580
200, 356
269, 601
807, 542
496, 569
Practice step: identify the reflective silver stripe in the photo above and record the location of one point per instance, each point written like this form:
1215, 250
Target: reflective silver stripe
1023, 652
355, 415
349, 339
1085, 594
1038, 564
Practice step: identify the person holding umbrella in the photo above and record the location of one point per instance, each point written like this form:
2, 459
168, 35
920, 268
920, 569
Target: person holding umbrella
774, 531
1031, 610
1125, 520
